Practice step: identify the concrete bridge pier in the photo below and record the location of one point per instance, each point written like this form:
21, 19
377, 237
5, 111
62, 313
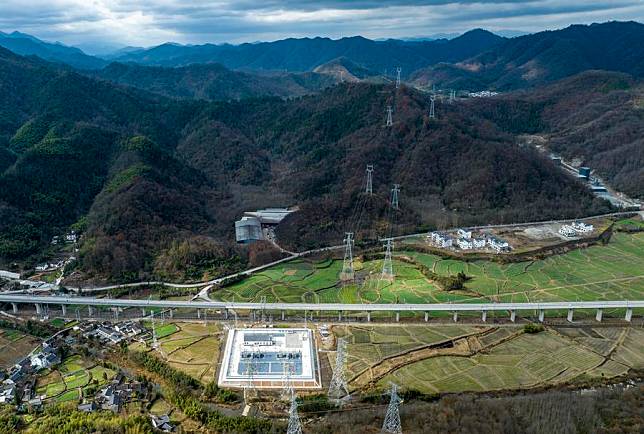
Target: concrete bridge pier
283, 315
339, 316
171, 313
397, 316
64, 308
198, 313
14, 306
368, 316
570, 313
484, 316
38, 308
142, 311
629, 314
455, 316
598, 315
542, 314
90, 310
225, 313
426, 316
513, 315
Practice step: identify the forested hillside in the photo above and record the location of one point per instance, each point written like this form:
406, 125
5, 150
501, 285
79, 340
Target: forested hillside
157, 183
595, 116
213, 81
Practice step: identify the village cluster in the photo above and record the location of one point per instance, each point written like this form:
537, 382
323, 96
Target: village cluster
575, 229
465, 241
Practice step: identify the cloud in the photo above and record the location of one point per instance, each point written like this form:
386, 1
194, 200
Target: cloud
151, 22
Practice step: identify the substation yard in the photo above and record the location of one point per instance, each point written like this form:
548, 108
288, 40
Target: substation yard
443, 359
614, 271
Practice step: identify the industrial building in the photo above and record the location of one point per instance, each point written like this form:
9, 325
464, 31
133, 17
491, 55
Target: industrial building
260, 224
270, 359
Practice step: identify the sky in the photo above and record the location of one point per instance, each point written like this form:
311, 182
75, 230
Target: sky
98, 25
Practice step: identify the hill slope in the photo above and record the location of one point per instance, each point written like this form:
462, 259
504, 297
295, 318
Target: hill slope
213, 81
543, 57
157, 183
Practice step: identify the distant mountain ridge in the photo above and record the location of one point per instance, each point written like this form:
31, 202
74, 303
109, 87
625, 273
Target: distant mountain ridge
308, 53
543, 57
27, 45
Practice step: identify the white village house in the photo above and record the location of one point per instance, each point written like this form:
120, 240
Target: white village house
440, 239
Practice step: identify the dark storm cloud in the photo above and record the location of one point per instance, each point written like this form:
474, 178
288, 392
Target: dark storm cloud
150, 22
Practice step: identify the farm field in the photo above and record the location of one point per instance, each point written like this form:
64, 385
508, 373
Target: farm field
190, 347
510, 359
15, 345
63, 382
603, 272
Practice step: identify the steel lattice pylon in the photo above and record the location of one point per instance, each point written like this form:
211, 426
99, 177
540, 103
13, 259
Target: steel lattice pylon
294, 424
392, 418
369, 189
432, 114
338, 387
347, 265
398, 70
394, 196
390, 120
387, 265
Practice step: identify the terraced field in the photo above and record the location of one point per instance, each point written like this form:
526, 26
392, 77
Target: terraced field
192, 348
604, 272
519, 361
63, 382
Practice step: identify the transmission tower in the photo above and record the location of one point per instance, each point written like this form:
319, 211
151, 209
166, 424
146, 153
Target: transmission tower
338, 387
432, 115
369, 190
392, 419
294, 424
398, 70
288, 392
347, 266
249, 388
390, 120
452, 96
155, 342
387, 266
394, 196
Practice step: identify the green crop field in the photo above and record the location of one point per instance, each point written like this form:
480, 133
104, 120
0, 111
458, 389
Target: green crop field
521, 361
603, 272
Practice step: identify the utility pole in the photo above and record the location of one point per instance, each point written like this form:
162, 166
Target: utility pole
369, 190
390, 120
432, 115
387, 265
347, 265
394, 196
294, 424
338, 387
392, 418
398, 70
